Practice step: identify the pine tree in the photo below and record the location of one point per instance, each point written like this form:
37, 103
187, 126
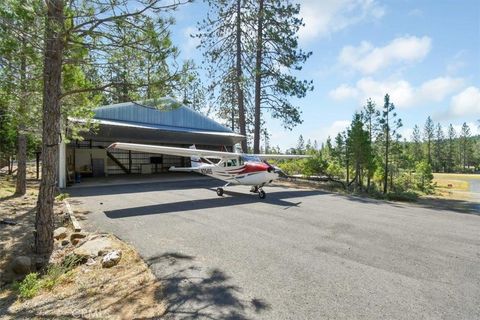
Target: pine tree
465, 145
276, 53
428, 135
300, 145
360, 148
389, 123
451, 148
69, 26
20, 70
439, 149
225, 37
417, 150
370, 117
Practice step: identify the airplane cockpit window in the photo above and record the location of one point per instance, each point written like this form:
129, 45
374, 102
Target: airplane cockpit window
231, 162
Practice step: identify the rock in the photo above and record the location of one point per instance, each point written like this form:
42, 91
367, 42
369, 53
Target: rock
90, 262
65, 242
22, 265
103, 252
91, 248
60, 233
76, 237
111, 259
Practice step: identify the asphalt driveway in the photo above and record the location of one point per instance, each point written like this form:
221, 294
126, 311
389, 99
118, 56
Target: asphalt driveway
299, 254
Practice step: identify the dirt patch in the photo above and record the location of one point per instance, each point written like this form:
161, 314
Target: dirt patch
127, 290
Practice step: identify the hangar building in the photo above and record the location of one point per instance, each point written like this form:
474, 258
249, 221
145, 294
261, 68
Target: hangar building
133, 122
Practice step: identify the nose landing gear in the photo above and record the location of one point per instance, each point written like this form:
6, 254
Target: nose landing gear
262, 194
259, 190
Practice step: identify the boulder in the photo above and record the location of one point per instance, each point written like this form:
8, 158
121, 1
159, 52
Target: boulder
111, 259
76, 237
91, 248
22, 265
60, 233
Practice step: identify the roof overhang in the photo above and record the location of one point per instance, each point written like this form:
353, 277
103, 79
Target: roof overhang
120, 131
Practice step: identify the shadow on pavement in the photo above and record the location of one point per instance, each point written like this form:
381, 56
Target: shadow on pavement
458, 206
274, 198
89, 191
193, 293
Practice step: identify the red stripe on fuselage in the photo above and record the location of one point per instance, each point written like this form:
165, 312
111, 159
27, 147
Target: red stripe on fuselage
254, 167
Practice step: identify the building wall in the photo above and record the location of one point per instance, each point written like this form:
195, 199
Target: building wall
83, 159
138, 162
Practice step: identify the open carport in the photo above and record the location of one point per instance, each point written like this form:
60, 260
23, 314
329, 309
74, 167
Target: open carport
299, 254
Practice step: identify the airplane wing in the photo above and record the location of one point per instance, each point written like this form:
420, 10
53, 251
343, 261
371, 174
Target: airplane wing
174, 151
281, 156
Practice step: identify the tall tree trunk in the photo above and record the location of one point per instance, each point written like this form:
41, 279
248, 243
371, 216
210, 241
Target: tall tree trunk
10, 165
54, 46
239, 78
21, 184
369, 169
258, 78
347, 163
387, 145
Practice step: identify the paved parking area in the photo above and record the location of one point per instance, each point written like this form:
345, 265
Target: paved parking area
299, 254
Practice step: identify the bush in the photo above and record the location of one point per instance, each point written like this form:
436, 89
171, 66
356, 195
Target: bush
28, 287
424, 177
407, 196
62, 196
335, 170
55, 274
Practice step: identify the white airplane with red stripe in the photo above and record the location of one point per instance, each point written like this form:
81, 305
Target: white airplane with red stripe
232, 167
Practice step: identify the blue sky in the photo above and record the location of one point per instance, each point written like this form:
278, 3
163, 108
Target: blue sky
425, 54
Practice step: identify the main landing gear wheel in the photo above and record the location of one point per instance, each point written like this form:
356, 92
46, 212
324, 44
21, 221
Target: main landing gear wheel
220, 192
262, 194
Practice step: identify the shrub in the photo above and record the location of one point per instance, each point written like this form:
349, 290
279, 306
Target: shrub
424, 177
62, 196
407, 196
29, 286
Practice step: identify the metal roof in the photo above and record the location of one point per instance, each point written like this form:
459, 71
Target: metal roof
169, 113
171, 122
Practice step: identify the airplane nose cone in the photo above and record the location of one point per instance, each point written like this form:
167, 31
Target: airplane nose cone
279, 172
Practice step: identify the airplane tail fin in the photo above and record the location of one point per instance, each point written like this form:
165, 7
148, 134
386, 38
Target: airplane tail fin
195, 160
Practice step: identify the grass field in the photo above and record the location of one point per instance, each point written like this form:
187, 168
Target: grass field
454, 185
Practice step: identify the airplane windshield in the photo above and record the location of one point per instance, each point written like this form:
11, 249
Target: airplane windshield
250, 158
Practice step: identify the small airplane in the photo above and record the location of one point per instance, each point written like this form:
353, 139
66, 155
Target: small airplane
232, 167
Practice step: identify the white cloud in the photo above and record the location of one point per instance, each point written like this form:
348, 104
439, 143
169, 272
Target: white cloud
343, 92
406, 133
369, 59
439, 88
331, 131
401, 92
457, 62
323, 18
415, 13
466, 103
